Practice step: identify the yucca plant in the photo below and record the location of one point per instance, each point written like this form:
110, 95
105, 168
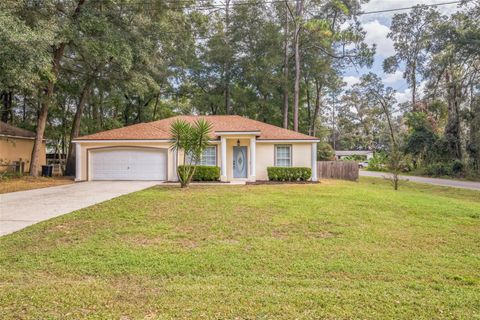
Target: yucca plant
193, 140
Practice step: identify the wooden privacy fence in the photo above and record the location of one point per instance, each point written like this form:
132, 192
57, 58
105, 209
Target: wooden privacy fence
344, 170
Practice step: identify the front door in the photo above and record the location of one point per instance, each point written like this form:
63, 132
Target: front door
239, 162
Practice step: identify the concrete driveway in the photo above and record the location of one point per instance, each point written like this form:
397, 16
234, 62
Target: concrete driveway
435, 181
24, 208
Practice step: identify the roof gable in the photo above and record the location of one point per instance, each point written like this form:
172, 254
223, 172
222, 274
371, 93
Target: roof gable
160, 130
9, 130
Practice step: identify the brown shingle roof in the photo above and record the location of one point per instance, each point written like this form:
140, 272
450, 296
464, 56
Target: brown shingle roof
9, 130
159, 130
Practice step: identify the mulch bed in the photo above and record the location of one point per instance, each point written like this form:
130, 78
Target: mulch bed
260, 182
195, 182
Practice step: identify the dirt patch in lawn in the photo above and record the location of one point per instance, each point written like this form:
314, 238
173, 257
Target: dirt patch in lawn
28, 183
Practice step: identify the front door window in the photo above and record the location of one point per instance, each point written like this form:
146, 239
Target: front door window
239, 162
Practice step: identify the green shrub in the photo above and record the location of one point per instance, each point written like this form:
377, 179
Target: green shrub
453, 168
289, 173
457, 167
438, 169
378, 162
325, 152
205, 173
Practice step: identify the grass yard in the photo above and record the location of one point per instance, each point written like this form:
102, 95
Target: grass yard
337, 250
27, 183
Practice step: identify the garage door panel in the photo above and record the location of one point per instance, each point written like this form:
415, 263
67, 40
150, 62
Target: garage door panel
128, 164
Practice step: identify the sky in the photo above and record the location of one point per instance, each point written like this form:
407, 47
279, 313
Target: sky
377, 26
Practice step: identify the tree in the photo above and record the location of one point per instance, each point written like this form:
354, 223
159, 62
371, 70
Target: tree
298, 17
24, 56
383, 100
63, 15
192, 139
412, 35
286, 58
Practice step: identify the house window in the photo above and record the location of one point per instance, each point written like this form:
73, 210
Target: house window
208, 157
283, 155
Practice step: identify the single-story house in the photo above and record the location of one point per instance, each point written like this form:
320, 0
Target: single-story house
340, 154
241, 147
16, 145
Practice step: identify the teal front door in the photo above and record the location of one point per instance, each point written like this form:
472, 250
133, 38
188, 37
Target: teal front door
240, 162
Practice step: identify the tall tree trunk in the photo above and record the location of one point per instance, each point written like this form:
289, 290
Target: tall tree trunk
316, 111
7, 114
285, 71
227, 62
96, 109
70, 168
414, 87
334, 123
452, 129
157, 99
24, 108
47, 100
296, 91
307, 92
474, 143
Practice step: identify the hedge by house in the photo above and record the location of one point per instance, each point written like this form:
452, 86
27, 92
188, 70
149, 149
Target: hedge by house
289, 173
204, 173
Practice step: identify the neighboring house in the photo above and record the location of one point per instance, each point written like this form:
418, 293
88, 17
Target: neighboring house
16, 144
241, 147
348, 153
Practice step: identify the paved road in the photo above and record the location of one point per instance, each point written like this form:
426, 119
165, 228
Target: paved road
24, 208
435, 181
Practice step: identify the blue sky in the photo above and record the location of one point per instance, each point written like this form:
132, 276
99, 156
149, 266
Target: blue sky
377, 27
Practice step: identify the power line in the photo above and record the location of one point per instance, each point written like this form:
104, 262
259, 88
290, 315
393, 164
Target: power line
409, 8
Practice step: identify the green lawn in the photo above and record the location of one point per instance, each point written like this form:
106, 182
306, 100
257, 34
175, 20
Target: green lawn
337, 250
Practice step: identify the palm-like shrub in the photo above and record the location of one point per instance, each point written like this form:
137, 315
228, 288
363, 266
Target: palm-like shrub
192, 139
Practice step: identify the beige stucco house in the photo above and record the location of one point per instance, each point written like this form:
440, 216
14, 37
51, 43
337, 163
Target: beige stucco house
241, 147
16, 144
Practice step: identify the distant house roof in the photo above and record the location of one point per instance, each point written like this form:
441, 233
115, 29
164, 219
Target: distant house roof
12, 131
224, 124
352, 153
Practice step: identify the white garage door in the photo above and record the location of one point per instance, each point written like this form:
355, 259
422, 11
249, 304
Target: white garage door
128, 164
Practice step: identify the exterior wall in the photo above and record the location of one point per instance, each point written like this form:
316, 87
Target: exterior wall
265, 155
301, 156
14, 149
85, 147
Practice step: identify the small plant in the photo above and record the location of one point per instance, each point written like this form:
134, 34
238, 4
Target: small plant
395, 165
289, 173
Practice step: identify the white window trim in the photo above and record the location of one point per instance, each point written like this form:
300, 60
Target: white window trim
291, 155
216, 157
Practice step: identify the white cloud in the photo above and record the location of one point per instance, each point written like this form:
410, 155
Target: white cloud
392, 78
406, 95
377, 34
351, 80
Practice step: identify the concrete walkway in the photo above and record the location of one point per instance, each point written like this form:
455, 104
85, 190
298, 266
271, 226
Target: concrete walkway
438, 182
24, 208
